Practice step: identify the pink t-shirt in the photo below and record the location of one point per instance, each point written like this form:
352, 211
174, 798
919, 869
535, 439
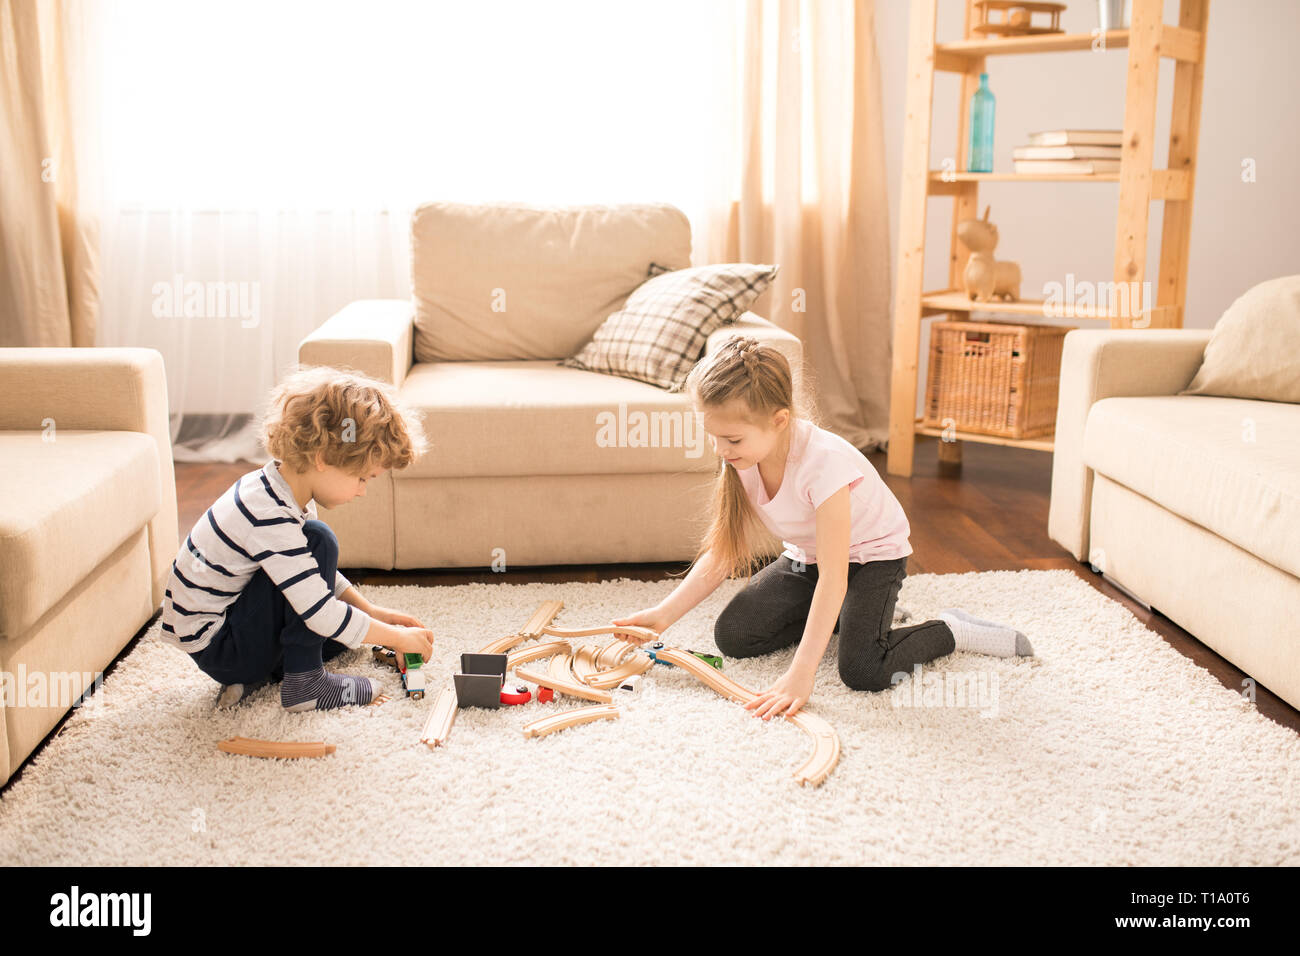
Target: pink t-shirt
821, 463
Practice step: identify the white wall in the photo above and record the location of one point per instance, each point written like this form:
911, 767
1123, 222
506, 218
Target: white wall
1242, 233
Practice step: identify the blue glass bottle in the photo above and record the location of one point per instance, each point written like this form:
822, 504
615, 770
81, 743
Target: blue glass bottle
981, 129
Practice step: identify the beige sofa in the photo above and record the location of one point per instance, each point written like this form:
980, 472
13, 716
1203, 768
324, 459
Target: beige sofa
1191, 503
87, 524
531, 463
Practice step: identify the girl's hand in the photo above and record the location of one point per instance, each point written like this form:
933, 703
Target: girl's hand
785, 697
651, 618
389, 616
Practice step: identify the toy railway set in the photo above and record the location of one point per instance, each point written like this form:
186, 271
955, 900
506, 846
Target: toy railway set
586, 672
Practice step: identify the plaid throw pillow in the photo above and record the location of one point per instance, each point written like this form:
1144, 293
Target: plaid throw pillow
659, 335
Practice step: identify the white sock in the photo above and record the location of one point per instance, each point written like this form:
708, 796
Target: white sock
985, 637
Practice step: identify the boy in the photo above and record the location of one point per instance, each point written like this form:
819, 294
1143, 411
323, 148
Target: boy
254, 594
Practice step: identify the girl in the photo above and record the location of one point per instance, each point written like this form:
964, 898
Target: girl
845, 537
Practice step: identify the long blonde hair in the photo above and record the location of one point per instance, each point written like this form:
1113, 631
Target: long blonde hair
757, 377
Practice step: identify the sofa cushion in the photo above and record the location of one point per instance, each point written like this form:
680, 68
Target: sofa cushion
65, 506
515, 281
659, 335
539, 418
1228, 464
1254, 351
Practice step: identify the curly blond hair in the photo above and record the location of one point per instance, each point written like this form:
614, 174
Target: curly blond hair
352, 422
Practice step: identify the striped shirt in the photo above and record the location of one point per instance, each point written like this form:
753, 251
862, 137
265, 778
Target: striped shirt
255, 524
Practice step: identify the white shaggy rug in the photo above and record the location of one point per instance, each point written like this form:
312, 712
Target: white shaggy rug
1110, 749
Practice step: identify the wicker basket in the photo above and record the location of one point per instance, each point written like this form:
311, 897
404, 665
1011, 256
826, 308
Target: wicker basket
994, 378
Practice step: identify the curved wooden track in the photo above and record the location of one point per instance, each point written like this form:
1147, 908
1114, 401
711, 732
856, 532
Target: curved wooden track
563, 685
826, 743
274, 749
569, 718
527, 655
543, 616
611, 655
561, 667
584, 663
826, 751
637, 664
644, 633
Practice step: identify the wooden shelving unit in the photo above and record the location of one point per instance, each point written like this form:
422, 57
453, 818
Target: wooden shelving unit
1147, 40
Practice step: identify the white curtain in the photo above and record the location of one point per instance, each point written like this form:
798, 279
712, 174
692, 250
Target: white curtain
260, 160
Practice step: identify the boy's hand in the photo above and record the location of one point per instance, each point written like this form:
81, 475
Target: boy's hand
785, 697
412, 640
389, 616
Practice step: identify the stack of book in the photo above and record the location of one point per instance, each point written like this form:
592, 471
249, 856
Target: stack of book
1082, 152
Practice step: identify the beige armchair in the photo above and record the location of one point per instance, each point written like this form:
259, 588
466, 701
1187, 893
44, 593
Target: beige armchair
1191, 503
87, 524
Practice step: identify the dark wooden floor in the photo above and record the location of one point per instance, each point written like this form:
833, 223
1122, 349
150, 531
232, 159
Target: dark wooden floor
991, 515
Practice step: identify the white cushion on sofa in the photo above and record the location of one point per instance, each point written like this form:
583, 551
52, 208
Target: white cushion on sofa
558, 272
1230, 465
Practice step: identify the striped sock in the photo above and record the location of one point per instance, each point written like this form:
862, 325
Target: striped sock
321, 690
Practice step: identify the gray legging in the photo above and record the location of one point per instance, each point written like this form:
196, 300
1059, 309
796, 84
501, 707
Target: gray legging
770, 613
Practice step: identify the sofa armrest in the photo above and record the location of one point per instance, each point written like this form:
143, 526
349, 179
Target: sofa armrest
371, 336
766, 332
100, 389
1103, 363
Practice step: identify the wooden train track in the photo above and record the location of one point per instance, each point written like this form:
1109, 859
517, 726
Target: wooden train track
569, 718
441, 716
644, 633
584, 663
564, 685
274, 749
588, 672
826, 743
635, 665
612, 654
535, 653
534, 629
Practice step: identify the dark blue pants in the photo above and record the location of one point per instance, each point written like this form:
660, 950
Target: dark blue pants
262, 633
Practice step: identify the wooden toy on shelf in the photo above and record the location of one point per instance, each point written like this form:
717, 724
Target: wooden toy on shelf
437, 728
569, 718
274, 749
1015, 18
985, 278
